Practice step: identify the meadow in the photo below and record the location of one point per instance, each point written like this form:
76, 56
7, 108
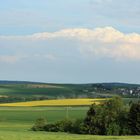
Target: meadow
27, 135
22, 118
15, 123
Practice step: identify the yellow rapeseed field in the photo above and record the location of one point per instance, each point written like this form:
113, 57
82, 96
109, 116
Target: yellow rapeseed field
59, 102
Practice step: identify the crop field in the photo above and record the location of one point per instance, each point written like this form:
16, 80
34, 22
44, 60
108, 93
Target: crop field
62, 102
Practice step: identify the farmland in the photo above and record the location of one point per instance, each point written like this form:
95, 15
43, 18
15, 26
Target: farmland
29, 91
60, 102
31, 101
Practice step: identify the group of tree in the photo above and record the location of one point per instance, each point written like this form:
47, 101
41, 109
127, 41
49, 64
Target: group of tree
110, 118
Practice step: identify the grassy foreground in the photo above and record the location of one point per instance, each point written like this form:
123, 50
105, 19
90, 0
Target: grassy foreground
60, 102
15, 124
27, 135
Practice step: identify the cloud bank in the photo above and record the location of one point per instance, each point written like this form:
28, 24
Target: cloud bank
104, 42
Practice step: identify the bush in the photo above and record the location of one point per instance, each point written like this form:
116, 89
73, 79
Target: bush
51, 128
60, 126
39, 124
113, 129
75, 126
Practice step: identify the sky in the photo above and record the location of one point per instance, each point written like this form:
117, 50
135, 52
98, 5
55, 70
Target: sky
75, 41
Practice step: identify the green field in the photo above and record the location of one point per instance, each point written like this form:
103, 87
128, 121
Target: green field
18, 118
29, 90
15, 123
34, 90
27, 135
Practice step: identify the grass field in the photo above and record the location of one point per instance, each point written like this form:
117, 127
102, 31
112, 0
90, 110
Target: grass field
27, 135
28, 89
15, 123
22, 118
60, 102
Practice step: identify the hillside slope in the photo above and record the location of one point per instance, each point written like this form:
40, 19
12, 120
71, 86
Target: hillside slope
14, 91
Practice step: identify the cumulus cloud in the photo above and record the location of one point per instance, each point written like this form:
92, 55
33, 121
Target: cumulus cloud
104, 42
106, 35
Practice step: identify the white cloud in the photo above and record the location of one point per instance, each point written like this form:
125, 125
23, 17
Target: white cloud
107, 34
104, 42
103, 35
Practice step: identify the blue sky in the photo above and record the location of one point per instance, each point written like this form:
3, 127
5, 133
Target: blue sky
30, 16
76, 41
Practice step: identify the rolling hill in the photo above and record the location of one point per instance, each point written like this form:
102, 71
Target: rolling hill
15, 91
